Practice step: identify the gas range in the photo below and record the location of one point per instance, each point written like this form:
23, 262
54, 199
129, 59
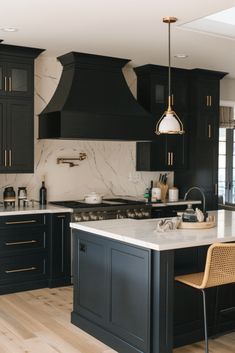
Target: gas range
108, 209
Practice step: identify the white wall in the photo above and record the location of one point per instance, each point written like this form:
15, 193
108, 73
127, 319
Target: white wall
227, 91
109, 168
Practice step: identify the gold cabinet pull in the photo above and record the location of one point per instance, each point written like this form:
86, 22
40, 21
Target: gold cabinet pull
207, 101
5, 158
10, 84
168, 158
210, 101
61, 216
21, 269
21, 242
172, 158
209, 131
5, 83
21, 222
10, 158
172, 99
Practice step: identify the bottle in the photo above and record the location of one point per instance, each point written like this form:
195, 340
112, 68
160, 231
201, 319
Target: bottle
43, 194
146, 194
150, 192
189, 214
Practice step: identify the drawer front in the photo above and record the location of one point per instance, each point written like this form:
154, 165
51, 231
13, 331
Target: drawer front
28, 220
23, 268
22, 240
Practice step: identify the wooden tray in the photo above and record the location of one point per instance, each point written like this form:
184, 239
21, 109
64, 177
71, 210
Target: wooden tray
197, 225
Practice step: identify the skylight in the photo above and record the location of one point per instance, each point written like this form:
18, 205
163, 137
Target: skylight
226, 16
219, 24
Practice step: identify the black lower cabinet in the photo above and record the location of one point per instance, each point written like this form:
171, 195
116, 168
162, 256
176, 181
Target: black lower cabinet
112, 292
60, 250
126, 296
24, 245
34, 251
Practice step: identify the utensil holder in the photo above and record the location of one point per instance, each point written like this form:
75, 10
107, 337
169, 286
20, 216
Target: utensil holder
164, 189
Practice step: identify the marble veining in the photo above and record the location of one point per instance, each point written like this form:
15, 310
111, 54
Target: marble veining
109, 168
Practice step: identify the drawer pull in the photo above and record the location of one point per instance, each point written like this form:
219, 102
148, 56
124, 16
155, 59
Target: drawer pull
5, 83
169, 158
10, 84
22, 222
10, 158
62, 216
209, 131
21, 270
5, 158
21, 242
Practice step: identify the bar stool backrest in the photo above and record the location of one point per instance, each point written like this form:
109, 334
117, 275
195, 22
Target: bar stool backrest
220, 265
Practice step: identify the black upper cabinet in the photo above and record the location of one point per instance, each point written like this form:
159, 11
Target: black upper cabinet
17, 108
205, 104
204, 130
16, 140
16, 79
165, 152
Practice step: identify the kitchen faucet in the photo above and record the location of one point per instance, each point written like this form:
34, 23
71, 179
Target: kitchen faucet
201, 192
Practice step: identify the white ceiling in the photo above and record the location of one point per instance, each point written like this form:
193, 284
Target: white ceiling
130, 29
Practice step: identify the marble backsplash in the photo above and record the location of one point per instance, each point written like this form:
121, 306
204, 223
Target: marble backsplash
110, 165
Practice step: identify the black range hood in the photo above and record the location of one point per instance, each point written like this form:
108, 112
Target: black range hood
93, 101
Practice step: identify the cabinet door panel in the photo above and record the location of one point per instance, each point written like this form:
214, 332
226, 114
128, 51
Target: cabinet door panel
3, 79
130, 294
208, 94
60, 260
22, 241
23, 268
20, 136
176, 145
20, 80
159, 94
91, 284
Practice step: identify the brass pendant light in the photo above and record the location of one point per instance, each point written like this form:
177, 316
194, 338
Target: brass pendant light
169, 123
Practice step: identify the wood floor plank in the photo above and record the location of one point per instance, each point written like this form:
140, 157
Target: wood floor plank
39, 322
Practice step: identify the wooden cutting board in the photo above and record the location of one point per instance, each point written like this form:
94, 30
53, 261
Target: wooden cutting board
197, 225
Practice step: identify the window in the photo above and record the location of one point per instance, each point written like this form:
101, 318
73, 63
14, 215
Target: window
226, 165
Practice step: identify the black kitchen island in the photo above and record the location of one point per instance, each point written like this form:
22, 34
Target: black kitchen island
124, 289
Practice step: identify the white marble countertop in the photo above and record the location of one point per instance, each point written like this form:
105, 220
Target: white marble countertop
143, 233
33, 210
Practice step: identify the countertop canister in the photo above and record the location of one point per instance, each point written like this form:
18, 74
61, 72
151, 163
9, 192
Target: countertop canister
173, 194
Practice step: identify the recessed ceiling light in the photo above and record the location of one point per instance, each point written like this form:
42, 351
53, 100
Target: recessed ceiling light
9, 29
181, 56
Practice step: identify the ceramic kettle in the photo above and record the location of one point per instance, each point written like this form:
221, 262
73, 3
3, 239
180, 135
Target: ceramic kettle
93, 198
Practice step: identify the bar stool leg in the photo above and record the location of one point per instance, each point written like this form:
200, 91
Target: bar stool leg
205, 320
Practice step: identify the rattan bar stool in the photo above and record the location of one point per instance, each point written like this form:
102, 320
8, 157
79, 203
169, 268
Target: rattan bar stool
219, 270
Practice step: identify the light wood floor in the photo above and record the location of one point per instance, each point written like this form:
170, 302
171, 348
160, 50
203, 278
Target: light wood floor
39, 322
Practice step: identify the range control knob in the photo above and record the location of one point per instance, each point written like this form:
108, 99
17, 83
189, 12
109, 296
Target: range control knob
85, 217
93, 216
146, 213
138, 214
130, 213
120, 215
77, 218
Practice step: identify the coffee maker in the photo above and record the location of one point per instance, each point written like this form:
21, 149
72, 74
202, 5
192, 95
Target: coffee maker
22, 195
9, 197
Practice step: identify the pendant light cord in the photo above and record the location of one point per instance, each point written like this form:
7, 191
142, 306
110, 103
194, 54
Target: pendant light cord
169, 59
